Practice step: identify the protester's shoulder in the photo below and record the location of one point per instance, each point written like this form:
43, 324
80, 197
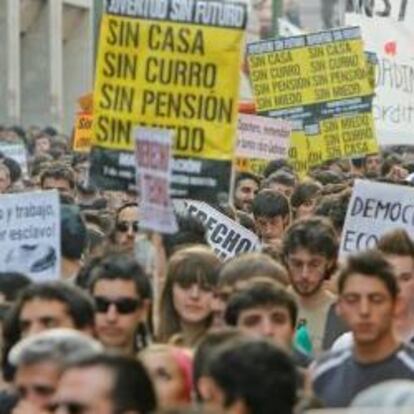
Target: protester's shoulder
330, 361
406, 356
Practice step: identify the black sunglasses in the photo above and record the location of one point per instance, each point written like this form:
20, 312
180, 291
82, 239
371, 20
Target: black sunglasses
123, 306
124, 226
70, 407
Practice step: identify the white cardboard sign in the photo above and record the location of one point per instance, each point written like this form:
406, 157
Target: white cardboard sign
153, 156
225, 236
374, 209
30, 234
388, 30
262, 138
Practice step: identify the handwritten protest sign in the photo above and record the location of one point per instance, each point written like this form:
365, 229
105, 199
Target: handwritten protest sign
260, 140
389, 32
374, 209
30, 234
174, 65
224, 235
82, 137
153, 155
16, 152
322, 84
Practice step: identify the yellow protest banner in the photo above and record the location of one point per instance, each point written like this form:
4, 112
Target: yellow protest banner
323, 84
309, 69
86, 102
174, 66
82, 138
348, 136
253, 165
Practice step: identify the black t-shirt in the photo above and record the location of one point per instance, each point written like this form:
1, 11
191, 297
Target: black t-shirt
338, 377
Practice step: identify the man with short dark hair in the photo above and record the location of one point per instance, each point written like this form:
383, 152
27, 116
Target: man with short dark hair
239, 271
44, 306
58, 177
372, 165
49, 305
122, 295
246, 187
368, 302
309, 252
265, 311
251, 377
105, 384
271, 212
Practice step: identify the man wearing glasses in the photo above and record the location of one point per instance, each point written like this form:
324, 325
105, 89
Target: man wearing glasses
122, 296
126, 227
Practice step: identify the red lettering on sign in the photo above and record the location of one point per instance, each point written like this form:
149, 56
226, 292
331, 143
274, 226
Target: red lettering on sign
391, 48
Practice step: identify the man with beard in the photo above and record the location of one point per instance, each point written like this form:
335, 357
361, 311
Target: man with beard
309, 252
246, 187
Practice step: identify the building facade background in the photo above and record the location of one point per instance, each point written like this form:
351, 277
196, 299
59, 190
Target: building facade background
46, 49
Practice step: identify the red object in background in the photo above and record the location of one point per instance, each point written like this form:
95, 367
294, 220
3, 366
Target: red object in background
247, 107
391, 48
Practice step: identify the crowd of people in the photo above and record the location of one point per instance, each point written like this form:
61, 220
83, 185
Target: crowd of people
140, 322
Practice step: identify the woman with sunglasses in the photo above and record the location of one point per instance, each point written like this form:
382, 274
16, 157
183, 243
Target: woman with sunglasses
185, 310
126, 227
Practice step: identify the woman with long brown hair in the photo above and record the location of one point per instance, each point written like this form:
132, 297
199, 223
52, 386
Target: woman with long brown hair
185, 311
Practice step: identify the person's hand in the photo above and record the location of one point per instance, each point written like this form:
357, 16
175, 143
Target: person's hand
398, 173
